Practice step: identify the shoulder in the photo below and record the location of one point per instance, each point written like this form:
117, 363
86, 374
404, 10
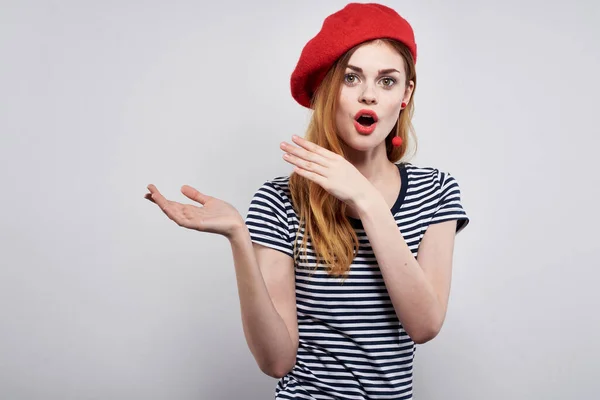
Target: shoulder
429, 176
269, 217
277, 188
438, 194
274, 193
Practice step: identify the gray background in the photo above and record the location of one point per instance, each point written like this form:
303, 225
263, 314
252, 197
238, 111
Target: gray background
103, 297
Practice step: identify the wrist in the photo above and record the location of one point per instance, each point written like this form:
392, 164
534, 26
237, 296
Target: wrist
238, 232
367, 201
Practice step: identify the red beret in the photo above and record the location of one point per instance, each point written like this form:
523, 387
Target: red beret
354, 24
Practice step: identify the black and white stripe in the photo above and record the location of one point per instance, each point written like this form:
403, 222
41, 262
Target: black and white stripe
351, 344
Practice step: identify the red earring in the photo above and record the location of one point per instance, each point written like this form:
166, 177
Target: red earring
403, 104
397, 141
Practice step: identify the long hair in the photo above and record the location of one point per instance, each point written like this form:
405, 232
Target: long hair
323, 216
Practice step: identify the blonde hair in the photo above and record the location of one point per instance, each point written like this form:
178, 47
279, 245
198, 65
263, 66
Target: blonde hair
324, 216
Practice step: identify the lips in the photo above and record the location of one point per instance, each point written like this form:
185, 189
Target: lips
365, 121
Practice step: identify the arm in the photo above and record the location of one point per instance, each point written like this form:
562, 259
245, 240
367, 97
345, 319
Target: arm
265, 279
418, 288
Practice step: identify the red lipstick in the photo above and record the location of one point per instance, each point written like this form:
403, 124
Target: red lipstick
365, 121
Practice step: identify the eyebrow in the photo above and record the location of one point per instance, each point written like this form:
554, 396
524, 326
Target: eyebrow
381, 71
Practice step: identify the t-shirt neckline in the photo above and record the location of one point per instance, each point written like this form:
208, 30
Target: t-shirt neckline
357, 223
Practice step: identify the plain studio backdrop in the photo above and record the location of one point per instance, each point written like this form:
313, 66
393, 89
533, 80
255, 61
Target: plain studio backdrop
103, 297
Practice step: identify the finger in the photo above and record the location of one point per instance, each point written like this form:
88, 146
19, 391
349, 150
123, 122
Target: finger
194, 194
153, 190
148, 196
305, 154
318, 179
313, 147
158, 198
305, 165
172, 209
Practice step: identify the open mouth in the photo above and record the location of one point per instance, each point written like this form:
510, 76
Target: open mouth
366, 120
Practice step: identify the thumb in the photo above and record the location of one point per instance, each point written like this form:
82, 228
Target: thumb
193, 194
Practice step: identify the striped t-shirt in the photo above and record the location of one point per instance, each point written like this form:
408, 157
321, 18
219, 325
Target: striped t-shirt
351, 343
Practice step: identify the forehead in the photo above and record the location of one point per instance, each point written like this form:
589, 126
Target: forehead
375, 56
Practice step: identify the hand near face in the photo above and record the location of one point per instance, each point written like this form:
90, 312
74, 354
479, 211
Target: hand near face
329, 170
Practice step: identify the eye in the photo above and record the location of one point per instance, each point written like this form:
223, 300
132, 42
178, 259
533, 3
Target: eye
350, 79
388, 82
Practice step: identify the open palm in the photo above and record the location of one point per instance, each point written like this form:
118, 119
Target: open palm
215, 215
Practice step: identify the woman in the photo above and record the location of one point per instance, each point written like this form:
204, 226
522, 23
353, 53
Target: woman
344, 266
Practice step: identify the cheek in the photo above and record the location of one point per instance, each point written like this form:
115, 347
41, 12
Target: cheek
392, 112
343, 108
344, 99
393, 106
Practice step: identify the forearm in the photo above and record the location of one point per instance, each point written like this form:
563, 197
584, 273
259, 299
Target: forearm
265, 331
413, 297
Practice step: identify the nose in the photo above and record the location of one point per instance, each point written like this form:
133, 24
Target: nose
368, 96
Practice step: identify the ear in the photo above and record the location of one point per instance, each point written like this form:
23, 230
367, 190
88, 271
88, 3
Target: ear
408, 92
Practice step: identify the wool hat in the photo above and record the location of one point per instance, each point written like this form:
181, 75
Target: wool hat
354, 24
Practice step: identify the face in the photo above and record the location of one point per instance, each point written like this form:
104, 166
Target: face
374, 84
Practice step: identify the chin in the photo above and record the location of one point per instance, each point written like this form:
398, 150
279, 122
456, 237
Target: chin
360, 142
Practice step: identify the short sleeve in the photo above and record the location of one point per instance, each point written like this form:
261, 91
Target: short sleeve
267, 218
449, 206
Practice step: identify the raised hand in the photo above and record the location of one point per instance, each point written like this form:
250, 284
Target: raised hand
331, 171
215, 215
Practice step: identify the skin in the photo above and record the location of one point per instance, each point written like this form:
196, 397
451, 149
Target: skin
382, 93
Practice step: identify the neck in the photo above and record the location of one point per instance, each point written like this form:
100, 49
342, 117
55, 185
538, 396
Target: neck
373, 164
